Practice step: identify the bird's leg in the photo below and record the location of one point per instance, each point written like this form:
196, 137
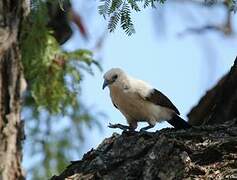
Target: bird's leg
120, 126
147, 127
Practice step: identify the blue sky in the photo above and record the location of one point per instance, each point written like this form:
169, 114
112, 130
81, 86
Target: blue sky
182, 68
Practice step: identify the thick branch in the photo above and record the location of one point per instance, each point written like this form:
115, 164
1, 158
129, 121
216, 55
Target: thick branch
219, 104
209, 151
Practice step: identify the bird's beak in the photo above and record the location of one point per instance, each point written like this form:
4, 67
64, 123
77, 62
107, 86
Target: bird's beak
106, 83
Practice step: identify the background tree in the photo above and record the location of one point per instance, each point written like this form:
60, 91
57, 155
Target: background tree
52, 76
12, 14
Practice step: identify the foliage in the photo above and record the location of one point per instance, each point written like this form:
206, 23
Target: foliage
46, 65
53, 77
232, 5
120, 10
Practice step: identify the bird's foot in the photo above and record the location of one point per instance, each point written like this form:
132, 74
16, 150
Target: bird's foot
120, 126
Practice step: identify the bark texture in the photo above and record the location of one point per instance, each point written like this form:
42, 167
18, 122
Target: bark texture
202, 152
208, 152
11, 78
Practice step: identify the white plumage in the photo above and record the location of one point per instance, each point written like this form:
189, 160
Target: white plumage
135, 99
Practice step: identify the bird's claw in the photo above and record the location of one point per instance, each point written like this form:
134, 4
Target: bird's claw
120, 126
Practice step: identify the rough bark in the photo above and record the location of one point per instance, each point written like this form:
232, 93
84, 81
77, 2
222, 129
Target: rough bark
202, 152
208, 152
11, 78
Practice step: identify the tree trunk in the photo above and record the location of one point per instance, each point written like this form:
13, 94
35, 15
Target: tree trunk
205, 152
219, 104
11, 78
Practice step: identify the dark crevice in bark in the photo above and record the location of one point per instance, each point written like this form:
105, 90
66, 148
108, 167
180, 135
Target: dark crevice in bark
4, 91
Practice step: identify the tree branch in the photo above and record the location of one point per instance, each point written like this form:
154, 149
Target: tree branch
219, 104
198, 153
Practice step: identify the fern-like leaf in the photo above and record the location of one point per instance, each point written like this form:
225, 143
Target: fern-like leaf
115, 9
113, 22
146, 3
115, 5
134, 5
126, 22
162, 1
153, 4
104, 7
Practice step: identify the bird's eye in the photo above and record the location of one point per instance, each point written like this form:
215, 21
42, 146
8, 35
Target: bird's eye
115, 77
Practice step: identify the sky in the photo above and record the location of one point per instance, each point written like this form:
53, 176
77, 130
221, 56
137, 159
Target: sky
183, 68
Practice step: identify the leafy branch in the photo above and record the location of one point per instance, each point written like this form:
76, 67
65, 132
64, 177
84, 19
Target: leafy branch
52, 98
46, 65
120, 10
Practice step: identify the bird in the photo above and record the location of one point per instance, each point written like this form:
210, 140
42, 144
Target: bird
138, 101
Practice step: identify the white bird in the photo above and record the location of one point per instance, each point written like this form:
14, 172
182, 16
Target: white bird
138, 101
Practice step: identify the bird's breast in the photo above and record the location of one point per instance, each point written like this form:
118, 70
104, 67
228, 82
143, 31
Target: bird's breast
134, 107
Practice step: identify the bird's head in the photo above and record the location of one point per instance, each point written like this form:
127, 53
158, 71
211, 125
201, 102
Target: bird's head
113, 77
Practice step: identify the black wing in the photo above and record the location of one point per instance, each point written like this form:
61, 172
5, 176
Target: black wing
160, 99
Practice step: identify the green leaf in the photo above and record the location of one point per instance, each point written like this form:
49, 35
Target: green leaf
104, 7
134, 5
126, 22
115, 9
113, 22
116, 4
146, 3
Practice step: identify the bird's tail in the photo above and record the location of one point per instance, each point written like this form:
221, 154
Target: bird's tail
179, 123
